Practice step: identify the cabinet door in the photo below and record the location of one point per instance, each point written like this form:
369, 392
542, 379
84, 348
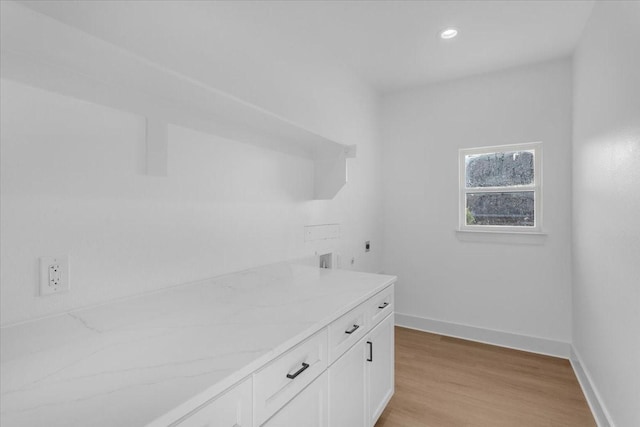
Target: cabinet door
232, 409
380, 364
308, 408
347, 389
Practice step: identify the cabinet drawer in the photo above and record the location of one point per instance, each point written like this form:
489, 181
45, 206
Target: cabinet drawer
346, 331
231, 409
282, 379
380, 305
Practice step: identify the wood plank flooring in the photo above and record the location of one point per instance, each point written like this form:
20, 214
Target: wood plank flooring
449, 382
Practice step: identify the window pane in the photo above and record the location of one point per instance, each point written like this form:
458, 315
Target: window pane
499, 169
509, 209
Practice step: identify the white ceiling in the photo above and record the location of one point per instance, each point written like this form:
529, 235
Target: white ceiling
388, 44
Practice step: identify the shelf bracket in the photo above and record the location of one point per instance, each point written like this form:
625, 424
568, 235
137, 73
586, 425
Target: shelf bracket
331, 171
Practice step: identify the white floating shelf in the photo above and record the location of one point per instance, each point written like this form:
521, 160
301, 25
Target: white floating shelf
39, 51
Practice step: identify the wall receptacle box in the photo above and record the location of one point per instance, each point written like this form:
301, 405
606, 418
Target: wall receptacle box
326, 260
54, 275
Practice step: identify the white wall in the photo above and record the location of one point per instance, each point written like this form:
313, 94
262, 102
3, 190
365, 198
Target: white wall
519, 286
71, 184
606, 207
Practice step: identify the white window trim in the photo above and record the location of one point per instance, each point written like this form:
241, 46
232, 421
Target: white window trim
536, 187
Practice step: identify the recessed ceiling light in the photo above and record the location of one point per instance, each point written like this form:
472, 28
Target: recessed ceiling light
448, 33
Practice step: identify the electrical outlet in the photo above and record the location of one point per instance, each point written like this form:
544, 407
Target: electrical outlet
54, 275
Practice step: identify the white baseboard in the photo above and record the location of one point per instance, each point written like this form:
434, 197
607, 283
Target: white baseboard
487, 336
599, 411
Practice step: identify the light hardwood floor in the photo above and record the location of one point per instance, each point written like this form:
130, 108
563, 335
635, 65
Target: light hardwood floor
449, 382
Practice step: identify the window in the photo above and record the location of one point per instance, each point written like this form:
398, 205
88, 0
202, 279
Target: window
501, 188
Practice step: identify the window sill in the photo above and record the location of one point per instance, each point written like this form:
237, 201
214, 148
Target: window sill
502, 236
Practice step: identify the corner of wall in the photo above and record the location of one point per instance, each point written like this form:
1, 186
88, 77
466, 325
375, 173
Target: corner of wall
600, 414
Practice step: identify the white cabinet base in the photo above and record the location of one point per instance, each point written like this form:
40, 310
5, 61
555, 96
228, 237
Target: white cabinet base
302, 388
361, 381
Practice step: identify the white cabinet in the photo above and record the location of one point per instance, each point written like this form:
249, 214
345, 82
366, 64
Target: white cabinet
361, 382
308, 408
380, 367
348, 392
231, 409
341, 376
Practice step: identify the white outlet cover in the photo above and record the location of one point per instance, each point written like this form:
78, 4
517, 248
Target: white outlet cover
48, 286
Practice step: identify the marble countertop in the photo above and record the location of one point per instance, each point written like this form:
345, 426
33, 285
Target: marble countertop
143, 360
